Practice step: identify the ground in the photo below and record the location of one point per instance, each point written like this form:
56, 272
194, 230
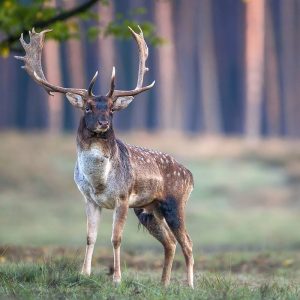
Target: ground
243, 217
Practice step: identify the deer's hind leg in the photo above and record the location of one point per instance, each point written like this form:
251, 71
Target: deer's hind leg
173, 212
157, 227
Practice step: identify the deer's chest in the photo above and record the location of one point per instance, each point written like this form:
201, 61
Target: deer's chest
95, 166
94, 177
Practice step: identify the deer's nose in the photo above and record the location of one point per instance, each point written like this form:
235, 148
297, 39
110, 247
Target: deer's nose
103, 123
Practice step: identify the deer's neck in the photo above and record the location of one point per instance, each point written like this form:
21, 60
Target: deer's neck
104, 142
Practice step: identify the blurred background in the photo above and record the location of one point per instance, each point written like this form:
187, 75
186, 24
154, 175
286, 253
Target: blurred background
225, 103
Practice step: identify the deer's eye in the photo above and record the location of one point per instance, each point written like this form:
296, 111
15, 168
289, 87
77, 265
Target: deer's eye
88, 109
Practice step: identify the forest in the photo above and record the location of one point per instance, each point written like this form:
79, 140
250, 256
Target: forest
222, 68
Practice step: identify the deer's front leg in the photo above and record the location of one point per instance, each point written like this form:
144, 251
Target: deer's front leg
93, 216
120, 215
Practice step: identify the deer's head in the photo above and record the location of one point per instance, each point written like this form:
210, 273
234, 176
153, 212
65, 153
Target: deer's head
98, 109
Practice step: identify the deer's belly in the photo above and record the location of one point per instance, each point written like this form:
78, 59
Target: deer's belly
139, 200
146, 189
142, 199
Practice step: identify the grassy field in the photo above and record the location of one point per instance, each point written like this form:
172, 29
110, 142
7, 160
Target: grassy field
243, 217
42, 273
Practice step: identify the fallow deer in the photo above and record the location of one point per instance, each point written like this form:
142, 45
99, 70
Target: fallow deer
111, 174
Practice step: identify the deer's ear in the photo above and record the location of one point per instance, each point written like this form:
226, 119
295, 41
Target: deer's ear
75, 100
122, 102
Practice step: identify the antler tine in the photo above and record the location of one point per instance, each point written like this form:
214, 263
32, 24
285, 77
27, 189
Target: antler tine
112, 82
143, 55
33, 63
91, 85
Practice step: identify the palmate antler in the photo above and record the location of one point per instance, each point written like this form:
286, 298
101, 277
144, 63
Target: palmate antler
33, 66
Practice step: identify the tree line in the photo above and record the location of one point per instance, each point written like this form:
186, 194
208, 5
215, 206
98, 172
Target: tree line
226, 67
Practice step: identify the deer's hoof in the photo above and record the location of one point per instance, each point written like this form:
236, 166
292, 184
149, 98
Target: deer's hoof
85, 273
116, 280
191, 285
165, 283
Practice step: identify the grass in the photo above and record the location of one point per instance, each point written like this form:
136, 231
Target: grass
59, 279
243, 217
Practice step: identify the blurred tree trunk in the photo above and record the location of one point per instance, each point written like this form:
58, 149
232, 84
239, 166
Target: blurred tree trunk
186, 18
288, 45
297, 66
53, 75
106, 51
272, 78
255, 33
9, 97
208, 79
229, 39
169, 93
75, 66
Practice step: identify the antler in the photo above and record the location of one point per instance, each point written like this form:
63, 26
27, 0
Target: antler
33, 65
143, 55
